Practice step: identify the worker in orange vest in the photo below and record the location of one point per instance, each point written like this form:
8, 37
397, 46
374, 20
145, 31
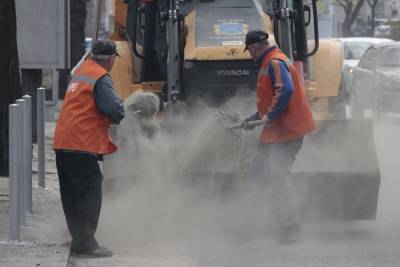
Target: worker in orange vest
81, 139
286, 116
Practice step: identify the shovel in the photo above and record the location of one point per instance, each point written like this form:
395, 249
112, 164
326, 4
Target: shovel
239, 125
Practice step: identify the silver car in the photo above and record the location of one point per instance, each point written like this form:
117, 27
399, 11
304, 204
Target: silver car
353, 49
375, 89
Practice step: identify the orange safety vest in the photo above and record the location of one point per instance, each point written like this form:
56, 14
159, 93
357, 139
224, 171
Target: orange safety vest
80, 126
297, 120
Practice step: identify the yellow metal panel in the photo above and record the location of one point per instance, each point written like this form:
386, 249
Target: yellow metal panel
190, 24
216, 53
120, 18
269, 28
327, 65
152, 87
121, 73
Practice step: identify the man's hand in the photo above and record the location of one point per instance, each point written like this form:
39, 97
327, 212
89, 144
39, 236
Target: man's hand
266, 121
246, 126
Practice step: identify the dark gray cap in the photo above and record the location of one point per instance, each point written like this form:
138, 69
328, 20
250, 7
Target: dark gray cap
104, 47
255, 36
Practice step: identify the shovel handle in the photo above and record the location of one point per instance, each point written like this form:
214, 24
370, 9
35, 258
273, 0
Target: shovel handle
239, 125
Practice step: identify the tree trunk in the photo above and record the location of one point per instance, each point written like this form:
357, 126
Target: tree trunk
346, 26
77, 42
373, 18
372, 21
10, 84
346, 29
351, 13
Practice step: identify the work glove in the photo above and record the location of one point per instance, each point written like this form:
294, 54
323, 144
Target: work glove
266, 121
246, 126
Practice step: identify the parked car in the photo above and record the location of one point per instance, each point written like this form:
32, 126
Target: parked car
361, 30
353, 49
382, 31
375, 89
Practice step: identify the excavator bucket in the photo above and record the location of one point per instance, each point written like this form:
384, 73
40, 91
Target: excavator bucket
337, 172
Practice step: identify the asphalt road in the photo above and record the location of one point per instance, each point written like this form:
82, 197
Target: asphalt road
214, 235
360, 244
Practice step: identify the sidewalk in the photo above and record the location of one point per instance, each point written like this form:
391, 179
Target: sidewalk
44, 242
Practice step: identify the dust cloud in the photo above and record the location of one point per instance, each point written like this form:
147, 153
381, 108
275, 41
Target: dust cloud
167, 187
177, 185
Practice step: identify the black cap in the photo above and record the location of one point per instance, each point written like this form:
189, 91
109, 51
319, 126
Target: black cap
255, 36
104, 47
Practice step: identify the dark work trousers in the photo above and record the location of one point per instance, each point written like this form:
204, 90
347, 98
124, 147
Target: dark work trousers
80, 188
271, 171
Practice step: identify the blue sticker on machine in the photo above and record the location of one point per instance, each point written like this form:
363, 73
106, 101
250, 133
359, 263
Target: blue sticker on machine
230, 28
226, 22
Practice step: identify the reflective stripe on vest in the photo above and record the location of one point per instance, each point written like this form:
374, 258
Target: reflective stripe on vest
82, 78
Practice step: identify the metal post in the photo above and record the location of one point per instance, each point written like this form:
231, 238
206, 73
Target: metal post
13, 173
99, 5
21, 160
55, 87
28, 152
40, 136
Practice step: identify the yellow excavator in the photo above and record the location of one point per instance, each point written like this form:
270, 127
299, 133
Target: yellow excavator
184, 51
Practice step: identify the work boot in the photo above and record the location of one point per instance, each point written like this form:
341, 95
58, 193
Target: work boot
100, 252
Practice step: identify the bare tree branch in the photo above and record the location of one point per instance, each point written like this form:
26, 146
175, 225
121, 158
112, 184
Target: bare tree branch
351, 9
356, 10
342, 3
372, 3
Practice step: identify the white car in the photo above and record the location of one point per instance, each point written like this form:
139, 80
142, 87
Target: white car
353, 49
